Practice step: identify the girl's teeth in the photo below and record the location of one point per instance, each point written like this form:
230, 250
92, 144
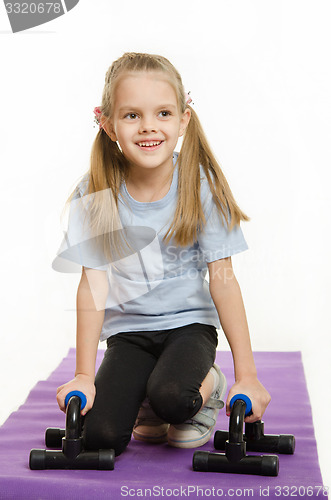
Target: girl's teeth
146, 144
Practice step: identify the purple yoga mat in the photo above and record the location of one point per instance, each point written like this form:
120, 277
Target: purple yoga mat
152, 471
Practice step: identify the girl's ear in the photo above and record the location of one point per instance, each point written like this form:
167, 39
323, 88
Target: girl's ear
107, 126
184, 121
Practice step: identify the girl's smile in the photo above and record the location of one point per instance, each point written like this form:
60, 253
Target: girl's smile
150, 145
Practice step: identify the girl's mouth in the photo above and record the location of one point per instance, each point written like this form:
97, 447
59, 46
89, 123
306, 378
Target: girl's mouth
149, 145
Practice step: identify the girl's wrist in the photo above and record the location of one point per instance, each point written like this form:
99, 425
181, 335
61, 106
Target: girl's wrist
246, 374
244, 364
84, 376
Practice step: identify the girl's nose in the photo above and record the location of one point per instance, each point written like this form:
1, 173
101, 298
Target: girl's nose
148, 124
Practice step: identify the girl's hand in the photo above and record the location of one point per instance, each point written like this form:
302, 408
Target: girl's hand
259, 396
82, 383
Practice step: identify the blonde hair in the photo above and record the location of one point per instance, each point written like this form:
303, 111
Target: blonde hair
108, 166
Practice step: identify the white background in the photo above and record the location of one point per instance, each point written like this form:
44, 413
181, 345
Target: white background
259, 74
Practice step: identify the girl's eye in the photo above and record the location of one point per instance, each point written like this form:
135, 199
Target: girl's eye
131, 116
165, 114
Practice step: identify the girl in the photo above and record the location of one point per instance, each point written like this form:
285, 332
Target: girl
146, 224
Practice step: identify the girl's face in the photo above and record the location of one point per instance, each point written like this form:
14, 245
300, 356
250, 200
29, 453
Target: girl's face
146, 120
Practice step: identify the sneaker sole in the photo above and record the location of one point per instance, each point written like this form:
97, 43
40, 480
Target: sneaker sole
191, 443
150, 439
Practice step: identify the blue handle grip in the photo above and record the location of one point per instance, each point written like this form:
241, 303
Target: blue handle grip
80, 394
244, 398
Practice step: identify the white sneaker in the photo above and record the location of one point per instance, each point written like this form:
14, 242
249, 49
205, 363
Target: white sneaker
198, 430
148, 427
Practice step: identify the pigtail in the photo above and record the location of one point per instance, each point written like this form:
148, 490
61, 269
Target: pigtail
107, 165
107, 169
98, 194
189, 217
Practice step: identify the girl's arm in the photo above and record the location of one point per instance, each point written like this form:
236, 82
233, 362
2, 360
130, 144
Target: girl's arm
91, 298
226, 294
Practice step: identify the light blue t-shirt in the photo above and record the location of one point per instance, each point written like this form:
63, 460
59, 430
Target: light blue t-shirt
157, 286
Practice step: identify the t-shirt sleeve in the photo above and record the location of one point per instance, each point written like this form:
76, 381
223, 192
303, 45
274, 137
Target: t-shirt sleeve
80, 247
216, 241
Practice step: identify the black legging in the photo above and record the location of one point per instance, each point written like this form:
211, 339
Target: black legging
168, 366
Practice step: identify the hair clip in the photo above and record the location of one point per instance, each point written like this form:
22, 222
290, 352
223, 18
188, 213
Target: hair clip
188, 98
97, 115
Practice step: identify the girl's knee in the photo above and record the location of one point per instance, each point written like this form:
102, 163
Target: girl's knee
174, 404
103, 438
